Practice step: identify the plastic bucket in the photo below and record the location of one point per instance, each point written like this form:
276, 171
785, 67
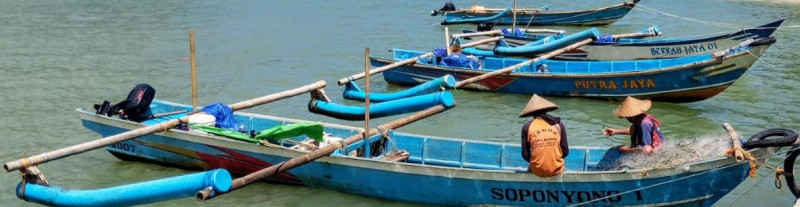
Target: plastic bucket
201, 119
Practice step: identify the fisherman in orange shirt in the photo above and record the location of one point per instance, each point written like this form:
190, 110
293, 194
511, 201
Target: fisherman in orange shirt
544, 139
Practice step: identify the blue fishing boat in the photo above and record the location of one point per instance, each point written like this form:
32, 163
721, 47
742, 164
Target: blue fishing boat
477, 15
684, 79
636, 48
429, 170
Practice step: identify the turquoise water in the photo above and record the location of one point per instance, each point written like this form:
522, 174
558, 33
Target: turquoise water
56, 56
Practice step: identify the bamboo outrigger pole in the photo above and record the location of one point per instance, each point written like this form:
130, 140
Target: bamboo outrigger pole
409, 61
511, 68
207, 194
163, 126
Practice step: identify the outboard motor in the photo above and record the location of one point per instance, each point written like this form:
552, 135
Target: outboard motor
486, 26
449, 6
134, 107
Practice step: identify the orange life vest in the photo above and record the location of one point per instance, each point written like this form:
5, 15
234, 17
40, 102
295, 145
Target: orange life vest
546, 156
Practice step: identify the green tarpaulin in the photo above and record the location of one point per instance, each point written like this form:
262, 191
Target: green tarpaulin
312, 130
225, 132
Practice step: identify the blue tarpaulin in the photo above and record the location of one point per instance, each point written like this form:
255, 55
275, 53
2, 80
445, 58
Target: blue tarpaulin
222, 113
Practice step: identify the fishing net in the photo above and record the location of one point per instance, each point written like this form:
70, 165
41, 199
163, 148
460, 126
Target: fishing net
675, 152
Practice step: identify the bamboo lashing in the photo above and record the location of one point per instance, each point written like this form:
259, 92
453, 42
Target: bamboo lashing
409, 61
194, 73
206, 194
511, 68
735, 140
163, 126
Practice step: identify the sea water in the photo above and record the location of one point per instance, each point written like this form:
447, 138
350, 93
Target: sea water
56, 56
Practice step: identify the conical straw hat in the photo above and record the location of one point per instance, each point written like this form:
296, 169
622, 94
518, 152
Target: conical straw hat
537, 104
631, 107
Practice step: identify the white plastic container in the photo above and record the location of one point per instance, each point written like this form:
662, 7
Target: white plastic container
201, 119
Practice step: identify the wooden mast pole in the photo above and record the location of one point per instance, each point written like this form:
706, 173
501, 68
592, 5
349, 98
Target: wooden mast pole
366, 91
194, 73
446, 41
514, 17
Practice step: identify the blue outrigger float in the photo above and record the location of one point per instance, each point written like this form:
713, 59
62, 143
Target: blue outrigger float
596, 16
433, 170
636, 48
684, 79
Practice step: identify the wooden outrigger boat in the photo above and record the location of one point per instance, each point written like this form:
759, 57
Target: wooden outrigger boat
685, 79
430, 170
597, 16
637, 48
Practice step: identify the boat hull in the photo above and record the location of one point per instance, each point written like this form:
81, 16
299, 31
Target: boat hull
599, 16
426, 179
683, 83
654, 49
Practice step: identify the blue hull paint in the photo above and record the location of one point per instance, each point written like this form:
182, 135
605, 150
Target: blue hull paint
673, 80
133, 194
600, 16
438, 171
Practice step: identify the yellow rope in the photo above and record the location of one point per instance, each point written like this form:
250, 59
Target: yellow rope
747, 156
778, 183
754, 166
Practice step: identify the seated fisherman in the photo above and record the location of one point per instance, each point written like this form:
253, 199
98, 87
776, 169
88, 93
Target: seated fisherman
645, 135
544, 139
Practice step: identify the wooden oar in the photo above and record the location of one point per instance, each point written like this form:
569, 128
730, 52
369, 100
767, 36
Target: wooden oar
511, 68
409, 61
316, 154
163, 126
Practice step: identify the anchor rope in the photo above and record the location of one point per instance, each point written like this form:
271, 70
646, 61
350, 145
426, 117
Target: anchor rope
719, 24
655, 11
771, 65
778, 174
